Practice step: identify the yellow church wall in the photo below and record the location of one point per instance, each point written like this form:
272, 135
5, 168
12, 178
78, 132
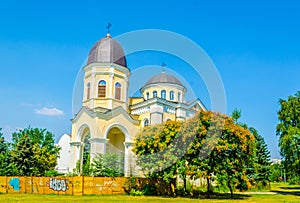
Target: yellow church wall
143, 117
84, 120
117, 121
167, 116
135, 100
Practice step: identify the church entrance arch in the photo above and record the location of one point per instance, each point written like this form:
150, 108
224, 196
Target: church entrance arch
85, 149
115, 146
116, 138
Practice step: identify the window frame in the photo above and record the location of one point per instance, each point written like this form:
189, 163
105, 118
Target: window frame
172, 95
118, 91
101, 89
165, 94
154, 94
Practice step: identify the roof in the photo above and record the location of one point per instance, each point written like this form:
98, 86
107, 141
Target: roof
107, 50
163, 78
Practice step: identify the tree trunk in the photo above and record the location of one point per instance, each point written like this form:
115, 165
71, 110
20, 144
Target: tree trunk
184, 184
208, 187
230, 188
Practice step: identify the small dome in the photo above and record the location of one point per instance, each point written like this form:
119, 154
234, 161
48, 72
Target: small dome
107, 50
163, 78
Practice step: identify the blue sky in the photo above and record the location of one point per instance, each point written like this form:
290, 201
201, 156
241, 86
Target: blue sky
254, 44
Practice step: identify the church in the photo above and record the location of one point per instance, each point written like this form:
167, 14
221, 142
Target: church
109, 119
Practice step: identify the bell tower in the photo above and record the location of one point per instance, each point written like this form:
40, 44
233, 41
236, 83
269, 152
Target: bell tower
106, 76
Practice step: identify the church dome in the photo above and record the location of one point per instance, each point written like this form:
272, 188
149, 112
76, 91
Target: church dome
163, 78
107, 50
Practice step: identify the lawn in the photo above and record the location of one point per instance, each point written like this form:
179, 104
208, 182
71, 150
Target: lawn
285, 193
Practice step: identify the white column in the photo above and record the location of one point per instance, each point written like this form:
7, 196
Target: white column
125, 93
128, 158
111, 77
93, 95
98, 145
75, 153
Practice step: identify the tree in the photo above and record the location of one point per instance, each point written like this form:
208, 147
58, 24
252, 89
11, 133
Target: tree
3, 155
208, 145
259, 169
288, 132
108, 165
236, 115
160, 150
276, 172
261, 160
7, 168
231, 148
33, 151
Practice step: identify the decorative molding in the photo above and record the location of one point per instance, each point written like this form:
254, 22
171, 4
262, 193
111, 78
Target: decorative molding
76, 143
99, 140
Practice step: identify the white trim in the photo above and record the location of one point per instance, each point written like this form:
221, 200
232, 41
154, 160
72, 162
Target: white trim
145, 120
121, 128
80, 131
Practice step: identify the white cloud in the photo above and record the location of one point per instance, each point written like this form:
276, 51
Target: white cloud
49, 111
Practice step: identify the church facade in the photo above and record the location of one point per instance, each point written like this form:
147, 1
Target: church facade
109, 119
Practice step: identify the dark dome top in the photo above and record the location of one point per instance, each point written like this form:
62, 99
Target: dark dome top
107, 50
163, 78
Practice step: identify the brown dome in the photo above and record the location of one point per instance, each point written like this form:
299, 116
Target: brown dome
107, 50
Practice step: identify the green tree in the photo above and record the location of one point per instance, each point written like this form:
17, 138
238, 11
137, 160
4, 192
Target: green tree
197, 147
231, 145
33, 151
7, 168
288, 132
236, 115
276, 172
160, 150
258, 170
108, 165
261, 160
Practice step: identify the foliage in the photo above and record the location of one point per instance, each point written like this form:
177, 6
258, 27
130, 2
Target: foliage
209, 145
7, 168
236, 114
53, 173
261, 160
149, 190
275, 170
258, 169
288, 131
33, 152
161, 149
135, 192
108, 165
87, 169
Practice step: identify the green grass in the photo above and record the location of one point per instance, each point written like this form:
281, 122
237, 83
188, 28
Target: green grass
33, 198
285, 193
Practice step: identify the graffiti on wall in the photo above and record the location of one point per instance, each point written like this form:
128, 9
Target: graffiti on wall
58, 184
14, 183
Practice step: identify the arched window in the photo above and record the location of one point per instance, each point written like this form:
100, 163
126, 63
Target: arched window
163, 94
102, 89
146, 122
117, 90
154, 94
147, 95
179, 96
171, 95
88, 90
